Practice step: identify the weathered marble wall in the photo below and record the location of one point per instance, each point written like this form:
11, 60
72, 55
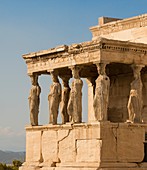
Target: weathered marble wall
119, 95
102, 145
129, 29
144, 110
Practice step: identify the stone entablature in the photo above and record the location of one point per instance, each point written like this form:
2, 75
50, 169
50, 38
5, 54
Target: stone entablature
120, 25
102, 50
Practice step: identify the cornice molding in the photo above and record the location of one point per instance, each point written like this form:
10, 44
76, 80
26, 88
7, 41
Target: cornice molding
90, 46
101, 50
120, 25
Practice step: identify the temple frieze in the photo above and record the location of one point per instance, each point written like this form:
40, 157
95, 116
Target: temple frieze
98, 51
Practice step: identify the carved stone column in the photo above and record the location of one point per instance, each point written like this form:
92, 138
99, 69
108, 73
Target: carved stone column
65, 99
91, 92
101, 97
54, 98
75, 101
135, 102
34, 100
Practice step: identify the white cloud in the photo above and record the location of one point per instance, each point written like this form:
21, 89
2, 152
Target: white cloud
8, 131
12, 140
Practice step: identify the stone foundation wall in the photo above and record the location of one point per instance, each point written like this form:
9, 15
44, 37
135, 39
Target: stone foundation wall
84, 146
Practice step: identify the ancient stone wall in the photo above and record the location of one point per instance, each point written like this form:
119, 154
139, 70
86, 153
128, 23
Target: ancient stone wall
84, 145
119, 94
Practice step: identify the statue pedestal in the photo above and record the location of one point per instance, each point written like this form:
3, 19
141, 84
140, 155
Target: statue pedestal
99, 145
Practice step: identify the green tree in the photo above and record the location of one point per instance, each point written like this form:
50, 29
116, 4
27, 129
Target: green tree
15, 166
17, 163
1, 166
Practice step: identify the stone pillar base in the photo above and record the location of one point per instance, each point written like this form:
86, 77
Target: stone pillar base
95, 146
121, 166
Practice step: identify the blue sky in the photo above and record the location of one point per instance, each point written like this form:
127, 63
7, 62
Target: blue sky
33, 25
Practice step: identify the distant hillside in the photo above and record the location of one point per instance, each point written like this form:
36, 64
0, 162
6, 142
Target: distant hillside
8, 156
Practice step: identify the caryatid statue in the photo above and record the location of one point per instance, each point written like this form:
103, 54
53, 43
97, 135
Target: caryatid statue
34, 100
65, 99
74, 107
135, 102
101, 97
54, 98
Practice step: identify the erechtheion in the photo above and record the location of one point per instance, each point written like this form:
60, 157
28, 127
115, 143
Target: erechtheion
114, 63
